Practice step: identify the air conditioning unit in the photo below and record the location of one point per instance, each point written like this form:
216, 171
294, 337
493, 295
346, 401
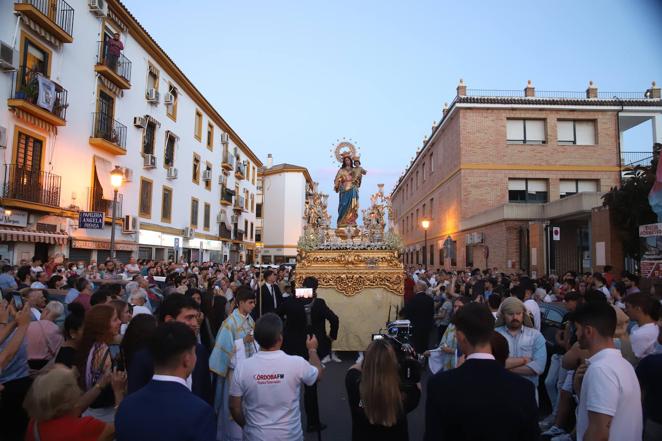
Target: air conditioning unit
8, 57
98, 7
188, 232
128, 174
206, 175
221, 180
234, 218
129, 224
224, 138
140, 122
172, 173
152, 95
149, 161
219, 218
169, 99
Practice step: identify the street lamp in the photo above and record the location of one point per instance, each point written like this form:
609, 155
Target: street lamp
116, 180
425, 223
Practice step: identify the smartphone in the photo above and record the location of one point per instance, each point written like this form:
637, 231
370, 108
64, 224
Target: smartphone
18, 301
377, 337
303, 293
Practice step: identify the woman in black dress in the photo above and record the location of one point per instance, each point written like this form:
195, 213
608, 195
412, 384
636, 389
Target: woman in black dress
378, 400
73, 331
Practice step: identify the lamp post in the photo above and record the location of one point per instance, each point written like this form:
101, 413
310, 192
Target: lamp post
116, 180
425, 223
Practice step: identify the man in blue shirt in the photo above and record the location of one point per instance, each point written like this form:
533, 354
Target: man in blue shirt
7, 280
527, 351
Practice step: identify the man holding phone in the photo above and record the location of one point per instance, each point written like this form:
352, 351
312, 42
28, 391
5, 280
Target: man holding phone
306, 315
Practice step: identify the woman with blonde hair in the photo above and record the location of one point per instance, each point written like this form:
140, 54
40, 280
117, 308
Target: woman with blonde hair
54, 403
378, 400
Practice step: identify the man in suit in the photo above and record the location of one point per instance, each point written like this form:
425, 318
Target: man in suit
304, 317
420, 311
480, 387
179, 308
270, 296
165, 409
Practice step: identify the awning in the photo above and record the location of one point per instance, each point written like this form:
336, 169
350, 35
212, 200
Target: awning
103, 168
35, 121
14, 234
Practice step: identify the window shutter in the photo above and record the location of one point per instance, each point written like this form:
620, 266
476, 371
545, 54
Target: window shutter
516, 184
536, 185
587, 186
535, 131
585, 132
565, 132
567, 186
515, 129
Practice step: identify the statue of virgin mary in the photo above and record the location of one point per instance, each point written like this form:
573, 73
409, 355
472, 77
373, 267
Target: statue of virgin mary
346, 186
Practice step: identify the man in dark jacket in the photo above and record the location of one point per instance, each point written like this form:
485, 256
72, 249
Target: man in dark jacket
505, 401
420, 311
176, 307
303, 317
270, 297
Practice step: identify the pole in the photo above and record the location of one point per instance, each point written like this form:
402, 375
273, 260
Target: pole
112, 227
425, 249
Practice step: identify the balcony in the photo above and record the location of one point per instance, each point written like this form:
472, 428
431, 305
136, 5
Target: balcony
22, 184
228, 160
55, 16
49, 106
240, 171
101, 205
108, 134
631, 160
239, 235
226, 196
239, 204
116, 69
224, 232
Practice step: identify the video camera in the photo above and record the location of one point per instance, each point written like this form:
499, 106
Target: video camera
398, 334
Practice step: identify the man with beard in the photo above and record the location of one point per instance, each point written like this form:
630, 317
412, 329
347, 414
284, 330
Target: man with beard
527, 351
609, 395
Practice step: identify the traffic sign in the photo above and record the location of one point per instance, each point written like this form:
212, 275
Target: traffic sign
556, 233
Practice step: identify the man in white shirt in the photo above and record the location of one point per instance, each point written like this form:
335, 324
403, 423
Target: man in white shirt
265, 389
609, 395
41, 281
645, 310
530, 304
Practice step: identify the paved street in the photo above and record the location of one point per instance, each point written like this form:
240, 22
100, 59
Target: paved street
334, 410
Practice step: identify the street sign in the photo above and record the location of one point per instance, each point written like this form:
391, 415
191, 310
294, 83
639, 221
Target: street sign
650, 230
91, 220
556, 233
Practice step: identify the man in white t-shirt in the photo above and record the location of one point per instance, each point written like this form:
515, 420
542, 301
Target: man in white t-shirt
645, 310
609, 395
265, 389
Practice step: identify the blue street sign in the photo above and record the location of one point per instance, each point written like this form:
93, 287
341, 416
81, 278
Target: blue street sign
91, 220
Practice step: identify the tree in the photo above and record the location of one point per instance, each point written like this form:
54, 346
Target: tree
629, 207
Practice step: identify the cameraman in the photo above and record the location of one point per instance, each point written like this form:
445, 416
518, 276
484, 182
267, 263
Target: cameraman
378, 400
303, 317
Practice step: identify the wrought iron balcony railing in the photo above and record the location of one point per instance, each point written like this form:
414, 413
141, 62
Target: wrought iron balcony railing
119, 64
105, 127
24, 184
57, 11
28, 83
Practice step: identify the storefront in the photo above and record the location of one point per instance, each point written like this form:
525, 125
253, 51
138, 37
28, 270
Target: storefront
88, 249
23, 236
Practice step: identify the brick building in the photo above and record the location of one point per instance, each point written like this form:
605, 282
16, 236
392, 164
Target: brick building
503, 169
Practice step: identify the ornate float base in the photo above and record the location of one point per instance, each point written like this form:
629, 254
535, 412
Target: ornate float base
363, 287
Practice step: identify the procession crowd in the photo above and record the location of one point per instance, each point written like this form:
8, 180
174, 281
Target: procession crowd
590, 342
209, 351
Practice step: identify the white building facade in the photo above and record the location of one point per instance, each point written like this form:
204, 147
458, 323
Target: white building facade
282, 191
76, 109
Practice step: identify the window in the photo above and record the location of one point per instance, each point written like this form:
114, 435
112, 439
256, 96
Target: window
207, 215
416, 217
431, 164
568, 187
432, 207
166, 204
258, 210
575, 132
210, 136
252, 231
258, 235
196, 168
431, 254
171, 109
145, 204
423, 170
149, 137
527, 190
417, 180
254, 174
29, 151
470, 256
208, 170
252, 203
424, 210
169, 154
246, 227
198, 125
526, 131
194, 212
152, 78
35, 58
